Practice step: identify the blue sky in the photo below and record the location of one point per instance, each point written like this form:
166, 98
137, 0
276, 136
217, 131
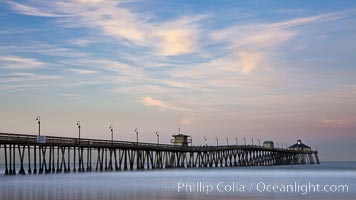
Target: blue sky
261, 69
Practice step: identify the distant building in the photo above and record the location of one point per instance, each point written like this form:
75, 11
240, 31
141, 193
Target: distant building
299, 146
268, 144
181, 140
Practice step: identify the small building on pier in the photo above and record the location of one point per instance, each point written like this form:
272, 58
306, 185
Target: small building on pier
181, 140
299, 146
268, 144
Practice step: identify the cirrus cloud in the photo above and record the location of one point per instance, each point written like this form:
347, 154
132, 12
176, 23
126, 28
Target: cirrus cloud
161, 105
111, 18
17, 62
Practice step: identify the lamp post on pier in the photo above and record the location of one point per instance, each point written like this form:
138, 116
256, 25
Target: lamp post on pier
157, 137
237, 141
227, 141
217, 141
38, 119
112, 133
78, 124
245, 141
136, 131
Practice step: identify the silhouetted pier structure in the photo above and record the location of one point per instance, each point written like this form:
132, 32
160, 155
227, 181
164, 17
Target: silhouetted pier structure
33, 154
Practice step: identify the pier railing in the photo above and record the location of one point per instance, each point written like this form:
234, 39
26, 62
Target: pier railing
11, 138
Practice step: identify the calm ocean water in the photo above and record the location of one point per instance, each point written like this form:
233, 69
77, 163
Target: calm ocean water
335, 180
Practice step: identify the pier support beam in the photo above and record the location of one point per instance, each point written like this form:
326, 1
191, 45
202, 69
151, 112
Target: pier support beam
29, 159
5, 156
21, 154
34, 162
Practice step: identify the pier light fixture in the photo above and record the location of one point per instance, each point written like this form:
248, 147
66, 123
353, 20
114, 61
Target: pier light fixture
205, 139
136, 131
112, 133
227, 141
245, 141
78, 124
237, 141
38, 119
217, 141
157, 137
252, 141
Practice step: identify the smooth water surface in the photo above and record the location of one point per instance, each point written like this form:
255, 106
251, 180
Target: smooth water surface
335, 180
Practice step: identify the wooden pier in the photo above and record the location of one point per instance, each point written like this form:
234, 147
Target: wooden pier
47, 154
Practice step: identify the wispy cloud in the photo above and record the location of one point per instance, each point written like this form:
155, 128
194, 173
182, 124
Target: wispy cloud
70, 95
149, 101
24, 81
17, 63
185, 114
42, 49
83, 71
90, 65
80, 42
27, 76
177, 37
248, 41
336, 122
249, 61
113, 19
332, 16
268, 34
161, 105
32, 10
186, 121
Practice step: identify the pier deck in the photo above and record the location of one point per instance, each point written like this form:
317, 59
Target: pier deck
49, 154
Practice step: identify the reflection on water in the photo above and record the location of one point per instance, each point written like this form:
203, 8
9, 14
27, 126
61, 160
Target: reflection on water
60, 192
163, 185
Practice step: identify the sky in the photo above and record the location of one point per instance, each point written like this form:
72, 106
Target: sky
267, 70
